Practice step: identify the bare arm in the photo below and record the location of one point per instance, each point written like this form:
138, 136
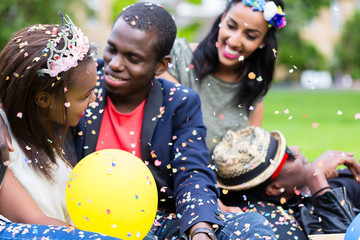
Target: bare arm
257, 116
17, 205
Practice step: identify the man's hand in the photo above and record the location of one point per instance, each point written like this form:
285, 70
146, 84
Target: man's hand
327, 163
5, 142
325, 166
224, 208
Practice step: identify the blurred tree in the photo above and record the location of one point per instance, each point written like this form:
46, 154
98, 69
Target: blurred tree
348, 48
118, 5
293, 50
17, 14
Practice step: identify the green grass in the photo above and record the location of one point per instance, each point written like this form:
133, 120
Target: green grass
317, 120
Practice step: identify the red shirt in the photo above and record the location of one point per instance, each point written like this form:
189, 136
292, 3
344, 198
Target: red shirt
121, 130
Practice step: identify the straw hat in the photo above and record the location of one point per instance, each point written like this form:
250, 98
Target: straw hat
247, 158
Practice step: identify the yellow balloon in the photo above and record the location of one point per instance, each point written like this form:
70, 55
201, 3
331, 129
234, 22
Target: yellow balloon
112, 192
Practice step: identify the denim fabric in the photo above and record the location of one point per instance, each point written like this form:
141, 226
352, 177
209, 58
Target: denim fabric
18, 231
236, 226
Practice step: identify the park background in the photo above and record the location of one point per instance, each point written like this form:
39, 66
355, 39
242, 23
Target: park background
315, 94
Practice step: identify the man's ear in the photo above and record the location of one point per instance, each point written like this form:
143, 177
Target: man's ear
274, 189
43, 99
162, 65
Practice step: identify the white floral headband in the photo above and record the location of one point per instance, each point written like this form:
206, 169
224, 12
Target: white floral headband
272, 13
76, 45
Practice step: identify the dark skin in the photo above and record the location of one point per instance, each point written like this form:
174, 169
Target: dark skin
5, 142
130, 66
298, 174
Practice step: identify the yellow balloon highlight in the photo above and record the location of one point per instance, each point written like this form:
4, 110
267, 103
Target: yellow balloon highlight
112, 192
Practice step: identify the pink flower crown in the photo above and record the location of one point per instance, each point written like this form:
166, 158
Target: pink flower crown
76, 46
272, 13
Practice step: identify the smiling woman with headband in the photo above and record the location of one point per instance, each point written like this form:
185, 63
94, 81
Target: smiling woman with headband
232, 68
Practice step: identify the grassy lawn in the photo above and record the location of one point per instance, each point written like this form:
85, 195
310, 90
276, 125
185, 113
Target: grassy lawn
315, 120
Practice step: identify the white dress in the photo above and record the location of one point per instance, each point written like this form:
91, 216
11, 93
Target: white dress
49, 195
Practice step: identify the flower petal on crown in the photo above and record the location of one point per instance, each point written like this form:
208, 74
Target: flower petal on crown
270, 10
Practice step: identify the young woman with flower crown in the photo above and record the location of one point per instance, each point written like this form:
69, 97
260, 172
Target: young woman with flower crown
47, 76
233, 66
232, 69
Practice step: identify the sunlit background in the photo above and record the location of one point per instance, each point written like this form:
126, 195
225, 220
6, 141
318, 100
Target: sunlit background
314, 99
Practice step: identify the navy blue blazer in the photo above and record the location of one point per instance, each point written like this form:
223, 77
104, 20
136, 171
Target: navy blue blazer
173, 133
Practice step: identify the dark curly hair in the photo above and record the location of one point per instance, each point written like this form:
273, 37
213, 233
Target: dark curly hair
261, 62
150, 17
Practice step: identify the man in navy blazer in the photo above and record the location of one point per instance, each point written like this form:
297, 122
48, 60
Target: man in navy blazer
171, 132
173, 135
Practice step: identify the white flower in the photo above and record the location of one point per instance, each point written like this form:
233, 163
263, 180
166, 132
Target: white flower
270, 10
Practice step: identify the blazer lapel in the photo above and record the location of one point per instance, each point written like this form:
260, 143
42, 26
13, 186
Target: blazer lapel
152, 110
94, 128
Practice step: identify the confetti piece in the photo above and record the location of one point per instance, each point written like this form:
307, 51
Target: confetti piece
357, 116
241, 58
225, 191
274, 51
252, 75
339, 112
315, 125
157, 163
19, 115
67, 104
286, 111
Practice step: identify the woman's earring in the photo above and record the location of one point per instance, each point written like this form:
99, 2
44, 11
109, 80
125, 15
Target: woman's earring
282, 190
219, 25
262, 46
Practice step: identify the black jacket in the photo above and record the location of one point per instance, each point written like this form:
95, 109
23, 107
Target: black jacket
331, 212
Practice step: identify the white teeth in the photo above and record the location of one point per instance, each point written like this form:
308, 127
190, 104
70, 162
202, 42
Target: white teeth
114, 78
229, 51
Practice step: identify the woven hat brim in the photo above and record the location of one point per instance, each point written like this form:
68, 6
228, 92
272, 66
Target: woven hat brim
268, 172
